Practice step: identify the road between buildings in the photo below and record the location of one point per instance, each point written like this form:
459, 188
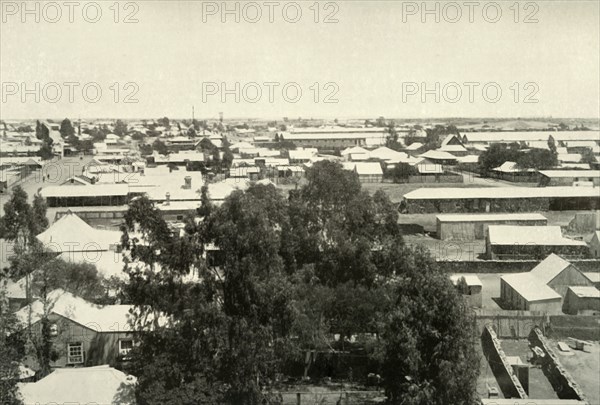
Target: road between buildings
53, 173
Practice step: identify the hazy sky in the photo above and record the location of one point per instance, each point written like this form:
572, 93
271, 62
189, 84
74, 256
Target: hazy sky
370, 57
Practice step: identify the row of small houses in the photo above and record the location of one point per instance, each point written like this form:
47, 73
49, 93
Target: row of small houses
509, 171
431, 165
14, 169
254, 163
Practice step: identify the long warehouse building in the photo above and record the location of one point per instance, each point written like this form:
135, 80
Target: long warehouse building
474, 226
500, 199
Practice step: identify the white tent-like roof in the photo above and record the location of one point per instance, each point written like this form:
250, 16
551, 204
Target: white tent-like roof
511, 167
385, 153
72, 234
365, 168
354, 150
438, 154
87, 385
414, 146
106, 318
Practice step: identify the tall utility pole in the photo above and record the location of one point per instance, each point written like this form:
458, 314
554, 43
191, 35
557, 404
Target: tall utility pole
220, 117
193, 117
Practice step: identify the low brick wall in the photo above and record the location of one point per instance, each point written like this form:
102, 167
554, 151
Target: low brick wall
532, 204
539, 252
507, 266
584, 327
562, 382
444, 178
507, 380
509, 324
487, 266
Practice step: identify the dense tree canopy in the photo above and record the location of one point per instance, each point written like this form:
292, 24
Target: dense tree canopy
22, 221
120, 128
293, 272
12, 350
66, 129
530, 158
401, 172
160, 147
427, 353
435, 136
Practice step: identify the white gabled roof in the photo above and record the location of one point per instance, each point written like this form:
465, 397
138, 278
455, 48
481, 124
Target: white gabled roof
491, 217
471, 279
241, 145
570, 173
414, 146
265, 152
96, 190
533, 286
581, 166
529, 235
108, 263
468, 159
452, 148
569, 157
549, 268
530, 287
385, 153
585, 291
511, 167
368, 168
295, 169
593, 277
101, 318
72, 234
16, 289
530, 136
304, 154
183, 156
354, 150
85, 385
218, 191
450, 137
447, 147
444, 193
438, 154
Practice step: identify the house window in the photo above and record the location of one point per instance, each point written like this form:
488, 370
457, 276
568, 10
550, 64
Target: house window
75, 353
125, 346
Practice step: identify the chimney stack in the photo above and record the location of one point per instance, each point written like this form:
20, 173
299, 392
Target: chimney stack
187, 182
168, 198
